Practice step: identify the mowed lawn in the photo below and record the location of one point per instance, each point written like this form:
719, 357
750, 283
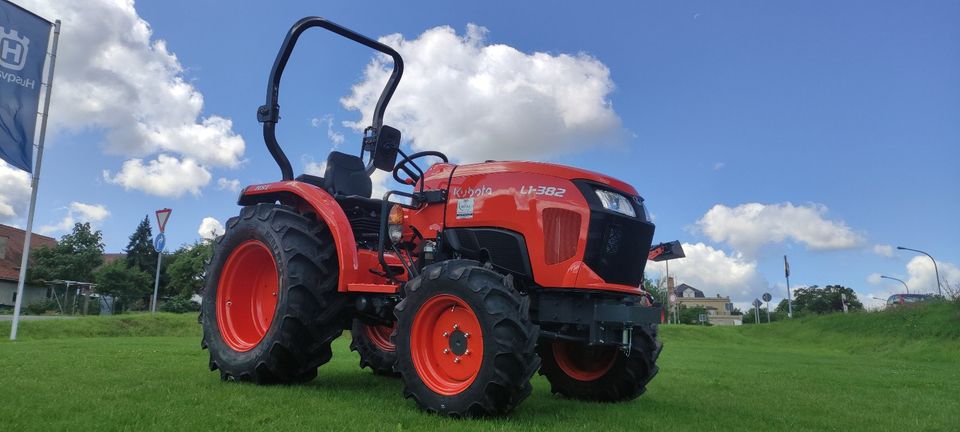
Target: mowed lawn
802, 375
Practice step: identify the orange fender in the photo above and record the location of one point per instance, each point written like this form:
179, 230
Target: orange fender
306, 197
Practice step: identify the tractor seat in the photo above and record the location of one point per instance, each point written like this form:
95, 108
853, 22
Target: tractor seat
345, 176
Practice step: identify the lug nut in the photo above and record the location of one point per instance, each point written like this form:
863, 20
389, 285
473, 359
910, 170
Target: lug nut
456, 360
456, 326
466, 335
446, 351
446, 334
467, 352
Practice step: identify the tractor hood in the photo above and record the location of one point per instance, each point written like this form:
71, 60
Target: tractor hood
554, 170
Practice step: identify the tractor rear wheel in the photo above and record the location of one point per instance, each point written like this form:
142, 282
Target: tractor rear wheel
270, 304
601, 373
465, 342
375, 347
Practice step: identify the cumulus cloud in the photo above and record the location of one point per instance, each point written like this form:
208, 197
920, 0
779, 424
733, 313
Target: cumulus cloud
165, 176
231, 185
883, 250
474, 100
210, 228
748, 227
78, 212
713, 271
112, 75
14, 193
922, 275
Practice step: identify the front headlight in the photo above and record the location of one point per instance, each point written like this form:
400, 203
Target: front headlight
615, 202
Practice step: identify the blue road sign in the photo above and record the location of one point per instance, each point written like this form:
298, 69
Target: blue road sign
159, 242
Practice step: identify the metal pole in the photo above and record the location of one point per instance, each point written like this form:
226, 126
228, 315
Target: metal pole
789, 300
937, 272
756, 314
156, 284
25, 259
768, 312
898, 280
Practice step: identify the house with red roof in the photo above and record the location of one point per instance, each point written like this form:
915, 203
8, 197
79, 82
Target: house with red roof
11, 252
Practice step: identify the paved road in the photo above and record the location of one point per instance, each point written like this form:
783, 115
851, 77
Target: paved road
34, 317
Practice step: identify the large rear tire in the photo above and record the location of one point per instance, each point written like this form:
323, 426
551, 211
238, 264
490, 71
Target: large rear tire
601, 373
270, 304
375, 346
465, 342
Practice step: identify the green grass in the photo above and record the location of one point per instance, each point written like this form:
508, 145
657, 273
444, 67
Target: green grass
890, 371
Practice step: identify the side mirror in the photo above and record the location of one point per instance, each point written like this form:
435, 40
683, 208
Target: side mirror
385, 152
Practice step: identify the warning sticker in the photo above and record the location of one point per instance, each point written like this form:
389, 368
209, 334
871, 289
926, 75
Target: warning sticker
465, 208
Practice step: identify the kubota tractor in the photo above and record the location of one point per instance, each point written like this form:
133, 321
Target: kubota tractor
465, 285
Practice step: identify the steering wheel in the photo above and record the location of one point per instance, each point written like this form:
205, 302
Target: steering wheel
413, 176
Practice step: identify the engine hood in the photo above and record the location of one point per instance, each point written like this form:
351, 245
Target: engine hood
560, 171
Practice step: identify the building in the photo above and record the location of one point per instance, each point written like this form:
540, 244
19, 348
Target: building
11, 252
718, 308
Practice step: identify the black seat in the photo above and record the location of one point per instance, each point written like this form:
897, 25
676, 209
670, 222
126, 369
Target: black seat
346, 175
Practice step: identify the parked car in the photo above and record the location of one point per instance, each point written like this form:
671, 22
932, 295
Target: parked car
906, 299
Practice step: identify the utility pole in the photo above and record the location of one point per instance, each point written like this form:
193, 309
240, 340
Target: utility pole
786, 273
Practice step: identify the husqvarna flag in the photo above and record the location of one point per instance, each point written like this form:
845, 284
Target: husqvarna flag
23, 50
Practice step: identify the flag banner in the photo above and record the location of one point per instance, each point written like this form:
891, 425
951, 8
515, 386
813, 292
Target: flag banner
23, 51
786, 267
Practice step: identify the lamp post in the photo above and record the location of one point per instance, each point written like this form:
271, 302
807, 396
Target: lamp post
937, 272
898, 280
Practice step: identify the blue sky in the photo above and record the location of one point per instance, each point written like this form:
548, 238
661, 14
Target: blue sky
848, 111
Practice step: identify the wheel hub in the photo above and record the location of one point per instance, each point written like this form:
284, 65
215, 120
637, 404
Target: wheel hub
458, 342
247, 295
446, 344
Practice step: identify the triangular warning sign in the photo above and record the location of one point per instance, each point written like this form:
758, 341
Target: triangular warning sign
162, 216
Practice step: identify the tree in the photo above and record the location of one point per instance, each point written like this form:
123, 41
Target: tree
125, 284
187, 269
140, 251
824, 300
691, 315
74, 258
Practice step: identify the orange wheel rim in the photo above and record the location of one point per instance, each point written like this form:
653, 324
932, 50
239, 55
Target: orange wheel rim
247, 295
584, 363
380, 336
446, 344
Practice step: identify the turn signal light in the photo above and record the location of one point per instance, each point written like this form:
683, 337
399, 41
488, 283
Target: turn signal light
395, 223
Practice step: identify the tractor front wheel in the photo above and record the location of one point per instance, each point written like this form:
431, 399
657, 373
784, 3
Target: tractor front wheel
601, 373
375, 347
465, 342
270, 304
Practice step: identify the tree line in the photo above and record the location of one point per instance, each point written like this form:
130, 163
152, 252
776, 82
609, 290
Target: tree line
79, 256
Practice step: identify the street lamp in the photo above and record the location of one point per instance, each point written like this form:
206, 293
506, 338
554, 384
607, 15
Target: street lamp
939, 290
898, 280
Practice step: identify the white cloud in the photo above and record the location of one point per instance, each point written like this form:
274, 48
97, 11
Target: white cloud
874, 278
474, 100
165, 176
113, 75
210, 228
922, 275
748, 227
14, 193
312, 167
78, 212
719, 166
231, 185
335, 137
883, 250
715, 272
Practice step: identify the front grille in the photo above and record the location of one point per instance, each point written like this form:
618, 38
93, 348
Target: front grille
617, 245
561, 231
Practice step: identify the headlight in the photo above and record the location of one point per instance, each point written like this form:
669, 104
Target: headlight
615, 202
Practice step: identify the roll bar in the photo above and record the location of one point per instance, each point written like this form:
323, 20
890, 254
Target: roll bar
269, 113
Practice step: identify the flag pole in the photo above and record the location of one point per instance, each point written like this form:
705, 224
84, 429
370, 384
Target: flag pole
25, 259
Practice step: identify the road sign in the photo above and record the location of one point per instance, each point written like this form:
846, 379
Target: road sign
673, 298
767, 297
757, 303
159, 242
162, 216
703, 318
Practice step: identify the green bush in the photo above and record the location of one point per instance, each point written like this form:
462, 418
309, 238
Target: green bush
41, 307
180, 304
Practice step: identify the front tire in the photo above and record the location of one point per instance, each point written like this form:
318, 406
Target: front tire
601, 373
465, 342
270, 304
375, 346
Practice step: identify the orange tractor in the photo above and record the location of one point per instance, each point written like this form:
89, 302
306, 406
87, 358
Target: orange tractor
465, 285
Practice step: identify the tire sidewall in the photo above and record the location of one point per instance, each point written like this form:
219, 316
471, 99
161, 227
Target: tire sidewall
243, 230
